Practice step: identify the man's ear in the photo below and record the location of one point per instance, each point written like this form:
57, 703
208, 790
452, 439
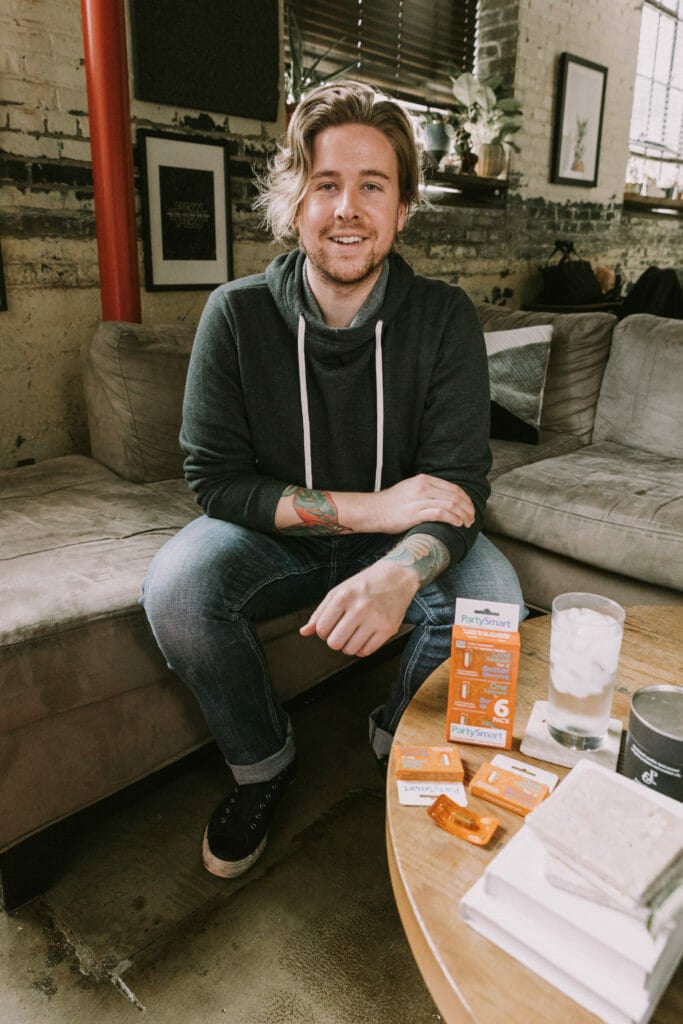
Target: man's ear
402, 217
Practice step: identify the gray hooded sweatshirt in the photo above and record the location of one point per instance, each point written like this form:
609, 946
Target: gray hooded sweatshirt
275, 397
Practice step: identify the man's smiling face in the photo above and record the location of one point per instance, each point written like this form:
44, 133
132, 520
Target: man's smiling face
351, 211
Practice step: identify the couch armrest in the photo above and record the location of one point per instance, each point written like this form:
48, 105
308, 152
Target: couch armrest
134, 379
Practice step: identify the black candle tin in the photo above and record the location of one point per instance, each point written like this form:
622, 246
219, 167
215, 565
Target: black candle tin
654, 743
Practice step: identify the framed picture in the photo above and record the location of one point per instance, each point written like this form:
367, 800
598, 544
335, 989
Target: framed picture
185, 188
578, 121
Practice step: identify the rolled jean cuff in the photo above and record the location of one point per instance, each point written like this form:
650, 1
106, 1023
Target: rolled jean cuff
380, 739
263, 771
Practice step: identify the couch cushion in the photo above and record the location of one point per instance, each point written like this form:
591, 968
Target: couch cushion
76, 544
134, 379
508, 455
578, 353
605, 504
640, 400
518, 360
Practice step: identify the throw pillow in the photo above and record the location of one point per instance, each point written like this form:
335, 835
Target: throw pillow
518, 361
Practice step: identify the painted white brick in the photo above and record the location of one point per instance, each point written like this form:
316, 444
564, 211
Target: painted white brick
22, 120
58, 122
21, 39
19, 92
74, 101
75, 149
57, 70
11, 63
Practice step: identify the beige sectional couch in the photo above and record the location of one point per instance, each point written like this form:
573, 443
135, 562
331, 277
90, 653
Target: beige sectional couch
89, 706
598, 503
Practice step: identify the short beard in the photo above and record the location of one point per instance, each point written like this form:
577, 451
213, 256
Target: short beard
373, 268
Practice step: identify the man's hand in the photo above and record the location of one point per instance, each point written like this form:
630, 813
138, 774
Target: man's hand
365, 611
422, 499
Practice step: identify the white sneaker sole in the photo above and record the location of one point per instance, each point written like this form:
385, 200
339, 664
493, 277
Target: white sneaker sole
230, 868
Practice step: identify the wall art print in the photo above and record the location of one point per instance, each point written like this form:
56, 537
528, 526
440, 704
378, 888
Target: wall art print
578, 121
185, 188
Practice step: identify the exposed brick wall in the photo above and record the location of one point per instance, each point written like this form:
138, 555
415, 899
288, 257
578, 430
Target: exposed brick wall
497, 39
47, 223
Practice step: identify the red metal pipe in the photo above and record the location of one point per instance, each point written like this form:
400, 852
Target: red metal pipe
106, 72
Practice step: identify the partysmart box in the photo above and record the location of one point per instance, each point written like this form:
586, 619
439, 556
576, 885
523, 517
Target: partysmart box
483, 674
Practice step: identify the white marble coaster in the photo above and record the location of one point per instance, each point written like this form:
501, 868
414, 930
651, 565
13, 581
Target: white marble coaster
539, 743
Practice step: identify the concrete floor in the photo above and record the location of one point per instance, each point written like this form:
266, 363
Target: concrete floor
135, 929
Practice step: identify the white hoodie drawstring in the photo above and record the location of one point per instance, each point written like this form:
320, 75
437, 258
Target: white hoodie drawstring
303, 392
305, 416
379, 391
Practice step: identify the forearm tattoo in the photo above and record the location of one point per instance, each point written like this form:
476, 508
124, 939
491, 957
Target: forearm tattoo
428, 555
316, 510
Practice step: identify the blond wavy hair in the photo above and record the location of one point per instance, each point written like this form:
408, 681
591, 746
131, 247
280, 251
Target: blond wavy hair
282, 187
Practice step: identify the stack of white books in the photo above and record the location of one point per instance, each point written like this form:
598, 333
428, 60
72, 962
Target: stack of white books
589, 893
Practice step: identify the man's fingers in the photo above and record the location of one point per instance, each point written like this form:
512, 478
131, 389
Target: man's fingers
443, 497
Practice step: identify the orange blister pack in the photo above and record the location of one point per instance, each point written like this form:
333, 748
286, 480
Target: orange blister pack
462, 822
417, 762
506, 789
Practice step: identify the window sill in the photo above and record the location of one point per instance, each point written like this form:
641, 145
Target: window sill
653, 205
465, 190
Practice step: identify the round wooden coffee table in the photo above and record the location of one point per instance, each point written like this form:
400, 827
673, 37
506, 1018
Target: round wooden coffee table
470, 979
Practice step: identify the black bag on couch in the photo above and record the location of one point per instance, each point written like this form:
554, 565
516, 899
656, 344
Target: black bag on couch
570, 281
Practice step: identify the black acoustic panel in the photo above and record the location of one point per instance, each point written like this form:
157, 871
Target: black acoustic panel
209, 55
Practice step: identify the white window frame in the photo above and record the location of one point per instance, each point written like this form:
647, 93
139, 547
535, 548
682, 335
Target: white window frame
655, 167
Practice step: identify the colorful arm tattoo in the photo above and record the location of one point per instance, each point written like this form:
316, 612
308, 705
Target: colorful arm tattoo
316, 510
427, 555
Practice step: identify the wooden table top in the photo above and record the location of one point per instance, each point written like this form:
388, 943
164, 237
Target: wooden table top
471, 980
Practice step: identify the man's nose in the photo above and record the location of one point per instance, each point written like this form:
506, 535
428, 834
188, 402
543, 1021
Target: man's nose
347, 205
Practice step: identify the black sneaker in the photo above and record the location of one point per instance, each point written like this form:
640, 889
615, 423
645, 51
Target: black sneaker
237, 832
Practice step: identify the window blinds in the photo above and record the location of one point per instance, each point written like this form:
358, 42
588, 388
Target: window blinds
405, 46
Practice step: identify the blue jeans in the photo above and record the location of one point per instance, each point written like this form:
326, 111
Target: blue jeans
210, 584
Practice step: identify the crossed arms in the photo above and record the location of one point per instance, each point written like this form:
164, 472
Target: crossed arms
364, 611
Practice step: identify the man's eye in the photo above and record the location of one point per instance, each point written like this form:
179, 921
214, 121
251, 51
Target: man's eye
326, 186
371, 186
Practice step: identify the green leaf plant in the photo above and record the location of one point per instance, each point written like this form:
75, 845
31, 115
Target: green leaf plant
299, 79
482, 113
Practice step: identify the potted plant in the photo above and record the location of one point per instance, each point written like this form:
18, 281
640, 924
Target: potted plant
488, 119
442, 136
435, 133
299, 79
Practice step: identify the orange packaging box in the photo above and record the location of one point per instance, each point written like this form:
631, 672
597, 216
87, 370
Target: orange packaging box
483, 674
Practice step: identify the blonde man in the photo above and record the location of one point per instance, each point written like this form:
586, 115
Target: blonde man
336, 431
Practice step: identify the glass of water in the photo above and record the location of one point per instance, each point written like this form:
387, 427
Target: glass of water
585, 642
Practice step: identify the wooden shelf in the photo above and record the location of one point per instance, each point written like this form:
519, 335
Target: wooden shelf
466, 190
650, 204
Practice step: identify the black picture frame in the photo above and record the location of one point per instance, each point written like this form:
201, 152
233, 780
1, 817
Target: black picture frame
3, 293
186, 211
581, 90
